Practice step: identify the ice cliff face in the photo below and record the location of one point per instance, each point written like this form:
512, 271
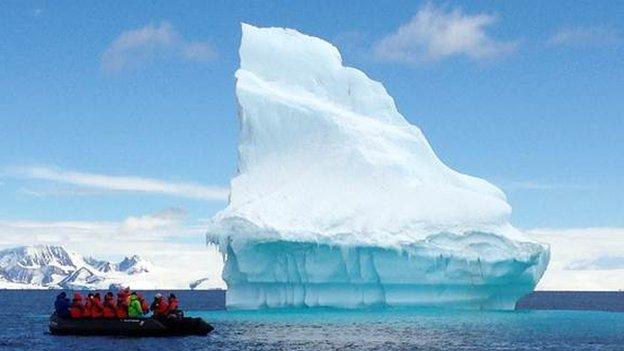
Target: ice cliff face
339, 201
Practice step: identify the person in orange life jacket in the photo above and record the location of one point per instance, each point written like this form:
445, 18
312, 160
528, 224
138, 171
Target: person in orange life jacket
144, 305
159, 306
76, 309
122, 305
97, 308
109, 307
86, 308
173, 304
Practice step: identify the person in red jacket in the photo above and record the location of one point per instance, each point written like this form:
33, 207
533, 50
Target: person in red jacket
173, 304
86, 308
97, 308
144, 305
159, 306
122, 302
109, 307
122, 306
76, 309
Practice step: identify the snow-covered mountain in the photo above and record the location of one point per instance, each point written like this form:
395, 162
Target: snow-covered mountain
49, 267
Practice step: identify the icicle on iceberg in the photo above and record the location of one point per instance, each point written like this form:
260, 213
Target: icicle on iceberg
340, 202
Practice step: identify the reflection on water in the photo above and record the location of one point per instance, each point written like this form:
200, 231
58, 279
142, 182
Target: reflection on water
429, 329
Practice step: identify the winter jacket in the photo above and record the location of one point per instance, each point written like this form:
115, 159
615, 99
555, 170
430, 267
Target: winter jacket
173, 305
62, 305
160, 307
97, 309
76, 309
134, 307
110, 309
122, 309
86, 308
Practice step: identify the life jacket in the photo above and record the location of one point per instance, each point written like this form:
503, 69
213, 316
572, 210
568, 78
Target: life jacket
161, 308
86, 308
173, 305
97, 309
110, 308
122, 309
76, 309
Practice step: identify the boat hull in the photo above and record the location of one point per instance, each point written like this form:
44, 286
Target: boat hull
129, 326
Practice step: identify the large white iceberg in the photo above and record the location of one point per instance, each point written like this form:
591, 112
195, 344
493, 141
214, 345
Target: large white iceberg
340, 202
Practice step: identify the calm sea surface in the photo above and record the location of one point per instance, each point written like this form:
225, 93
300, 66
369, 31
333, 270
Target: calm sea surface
25, 316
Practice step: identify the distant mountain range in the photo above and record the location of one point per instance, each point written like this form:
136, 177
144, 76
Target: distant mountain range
54, 267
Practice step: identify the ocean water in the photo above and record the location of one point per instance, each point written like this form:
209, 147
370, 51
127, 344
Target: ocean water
25, 315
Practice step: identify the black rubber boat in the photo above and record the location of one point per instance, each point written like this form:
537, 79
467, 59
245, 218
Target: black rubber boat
129, 326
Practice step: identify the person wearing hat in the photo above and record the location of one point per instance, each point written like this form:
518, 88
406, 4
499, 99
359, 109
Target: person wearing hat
76, 309
97, 308
159, 306
154, 304
122, 305
110, 307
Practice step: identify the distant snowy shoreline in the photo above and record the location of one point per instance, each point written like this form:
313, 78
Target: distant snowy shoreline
47, 267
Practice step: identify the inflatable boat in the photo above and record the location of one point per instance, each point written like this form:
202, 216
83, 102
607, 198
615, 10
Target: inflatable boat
129, 326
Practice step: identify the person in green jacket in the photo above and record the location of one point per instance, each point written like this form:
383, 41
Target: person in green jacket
134, 307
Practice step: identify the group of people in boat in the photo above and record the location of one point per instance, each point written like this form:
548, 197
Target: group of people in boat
126, 304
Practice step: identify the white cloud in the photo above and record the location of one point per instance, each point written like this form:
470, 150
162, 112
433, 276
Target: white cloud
163, 219
135, 46
602, 263
583, 258
60, 191
163, 225
29, 232
433, 34
198, 51
585, 36
118, 183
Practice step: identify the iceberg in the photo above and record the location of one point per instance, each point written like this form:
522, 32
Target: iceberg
340, 202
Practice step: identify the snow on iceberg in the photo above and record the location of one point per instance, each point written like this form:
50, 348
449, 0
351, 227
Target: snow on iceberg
340, 202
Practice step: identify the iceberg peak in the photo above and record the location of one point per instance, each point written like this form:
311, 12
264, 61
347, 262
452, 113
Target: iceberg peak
324, 153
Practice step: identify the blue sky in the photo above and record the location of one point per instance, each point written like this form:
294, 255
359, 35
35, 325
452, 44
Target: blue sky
145, 91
